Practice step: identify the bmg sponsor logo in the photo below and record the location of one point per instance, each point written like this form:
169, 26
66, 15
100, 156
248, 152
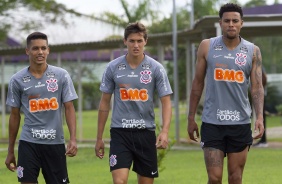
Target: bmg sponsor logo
229, 75
134, 94
228, 115
133, 123
43, 134
37, 105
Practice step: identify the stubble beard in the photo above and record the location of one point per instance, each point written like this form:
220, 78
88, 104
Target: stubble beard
231, 37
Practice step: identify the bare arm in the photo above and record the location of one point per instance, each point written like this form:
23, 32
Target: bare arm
14, 124
104, 108
162, 139
264, 78
197, 88
257, 92
71, 122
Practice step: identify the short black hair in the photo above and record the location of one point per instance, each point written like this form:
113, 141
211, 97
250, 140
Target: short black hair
34, 36
135, 27
230, 7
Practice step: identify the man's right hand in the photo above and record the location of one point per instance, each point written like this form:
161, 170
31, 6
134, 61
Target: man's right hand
11, 162
191, 129
99, 148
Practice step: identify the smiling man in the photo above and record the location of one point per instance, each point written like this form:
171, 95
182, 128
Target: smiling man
41, 91
230, 64
133, 79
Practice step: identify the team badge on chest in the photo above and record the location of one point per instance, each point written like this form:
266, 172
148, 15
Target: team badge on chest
145, 76
241, 59
52, 85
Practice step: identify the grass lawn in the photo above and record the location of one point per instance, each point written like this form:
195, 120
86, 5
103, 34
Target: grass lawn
181, 167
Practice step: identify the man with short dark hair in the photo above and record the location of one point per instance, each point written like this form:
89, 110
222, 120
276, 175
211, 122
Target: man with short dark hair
229, 63
41, 91
133, 78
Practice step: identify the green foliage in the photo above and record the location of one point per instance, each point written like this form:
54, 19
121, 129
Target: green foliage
13, 14
162, 153
279, 109
165, 25
253, 3
143, 10
205, 7
91, 95
272, 99
270, 50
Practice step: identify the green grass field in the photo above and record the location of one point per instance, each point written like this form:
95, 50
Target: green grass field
181, 166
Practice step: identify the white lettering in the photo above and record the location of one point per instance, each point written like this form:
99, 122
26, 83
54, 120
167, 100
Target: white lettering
133, 123
228, 115
43, 134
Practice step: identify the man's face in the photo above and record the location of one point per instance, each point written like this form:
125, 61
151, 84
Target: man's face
135, 43
231, 24
37, 51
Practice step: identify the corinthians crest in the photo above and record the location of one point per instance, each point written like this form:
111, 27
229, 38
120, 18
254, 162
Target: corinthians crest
145, 76
52, 85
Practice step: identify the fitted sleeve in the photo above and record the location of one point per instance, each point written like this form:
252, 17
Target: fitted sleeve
162, 83
107, 84
14, 94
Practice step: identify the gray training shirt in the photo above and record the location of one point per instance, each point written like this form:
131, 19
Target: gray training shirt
41, 101
134, 91
227, 83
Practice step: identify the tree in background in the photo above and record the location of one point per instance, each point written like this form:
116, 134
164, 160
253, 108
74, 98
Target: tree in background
143, 10
254, 3
14, 16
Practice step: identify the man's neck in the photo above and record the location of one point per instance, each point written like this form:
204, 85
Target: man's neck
38, 70
231, 43
134, 61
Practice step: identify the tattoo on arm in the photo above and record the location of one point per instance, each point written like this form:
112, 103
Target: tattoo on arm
257, 95
258, 72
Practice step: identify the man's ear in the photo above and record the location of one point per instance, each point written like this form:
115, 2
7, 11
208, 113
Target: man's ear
146, 41
27, 51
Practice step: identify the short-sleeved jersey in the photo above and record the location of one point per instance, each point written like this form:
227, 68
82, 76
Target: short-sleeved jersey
41, 100
134, 91
227, 82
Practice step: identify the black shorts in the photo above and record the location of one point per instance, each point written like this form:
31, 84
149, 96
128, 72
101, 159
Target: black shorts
227, 138
51, 158
137, 146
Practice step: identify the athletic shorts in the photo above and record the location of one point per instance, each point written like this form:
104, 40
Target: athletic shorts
227, 138
50, 158
137, 146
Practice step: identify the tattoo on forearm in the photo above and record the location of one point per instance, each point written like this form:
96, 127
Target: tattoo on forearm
257, 95
258, 100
